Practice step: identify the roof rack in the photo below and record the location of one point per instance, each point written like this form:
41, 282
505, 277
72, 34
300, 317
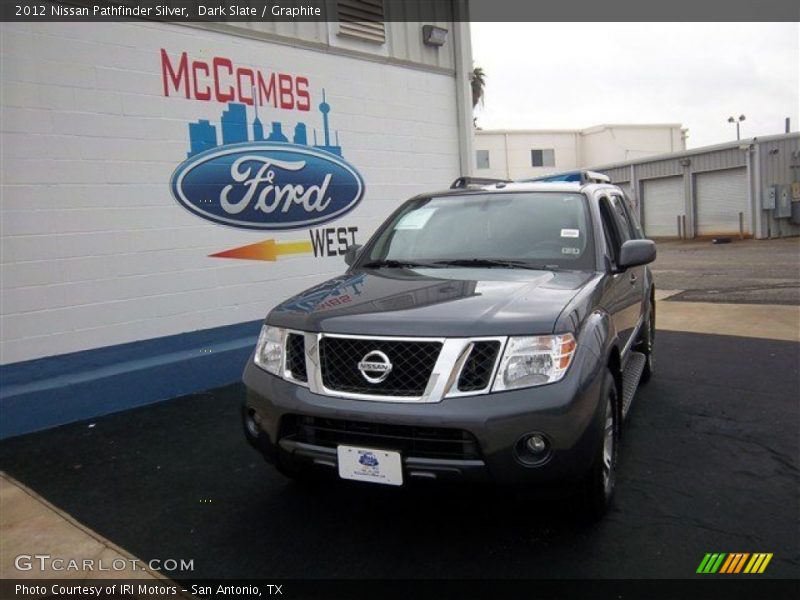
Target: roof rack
574, 176
595, 177
466, 182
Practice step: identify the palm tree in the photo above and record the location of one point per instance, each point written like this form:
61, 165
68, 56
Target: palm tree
477, 81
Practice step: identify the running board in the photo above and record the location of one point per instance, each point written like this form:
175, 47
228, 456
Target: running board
631, 375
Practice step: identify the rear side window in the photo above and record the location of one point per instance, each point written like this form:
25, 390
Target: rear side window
626, 217
611, 230
622, 219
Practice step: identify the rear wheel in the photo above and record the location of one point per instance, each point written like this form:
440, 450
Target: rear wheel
597, 489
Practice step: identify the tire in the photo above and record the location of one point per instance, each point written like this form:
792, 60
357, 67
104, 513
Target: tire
597, 489
645, 343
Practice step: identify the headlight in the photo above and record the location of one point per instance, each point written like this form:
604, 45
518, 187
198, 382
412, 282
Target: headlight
269, 349
534, 360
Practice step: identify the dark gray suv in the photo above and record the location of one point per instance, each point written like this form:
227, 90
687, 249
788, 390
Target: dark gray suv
493, 334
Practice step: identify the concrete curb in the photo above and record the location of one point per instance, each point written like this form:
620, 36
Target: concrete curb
29, 525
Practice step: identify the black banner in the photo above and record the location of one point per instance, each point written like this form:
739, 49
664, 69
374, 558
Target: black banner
404, 10
707, 587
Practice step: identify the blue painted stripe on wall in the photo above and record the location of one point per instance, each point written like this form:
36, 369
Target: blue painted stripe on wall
47, 392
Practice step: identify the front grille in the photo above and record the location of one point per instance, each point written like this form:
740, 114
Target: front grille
296, 356
418, 442
412, 365
477, 371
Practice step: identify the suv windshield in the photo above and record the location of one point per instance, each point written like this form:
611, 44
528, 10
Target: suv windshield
517, 229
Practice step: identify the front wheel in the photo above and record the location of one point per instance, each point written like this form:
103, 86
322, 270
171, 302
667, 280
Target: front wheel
597, 489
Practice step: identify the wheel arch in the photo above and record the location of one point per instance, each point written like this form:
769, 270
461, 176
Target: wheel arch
599, 333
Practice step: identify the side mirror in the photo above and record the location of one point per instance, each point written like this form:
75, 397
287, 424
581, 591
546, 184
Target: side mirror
637, 252
351, 253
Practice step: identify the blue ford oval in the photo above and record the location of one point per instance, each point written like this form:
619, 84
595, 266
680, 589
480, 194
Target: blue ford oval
267, 186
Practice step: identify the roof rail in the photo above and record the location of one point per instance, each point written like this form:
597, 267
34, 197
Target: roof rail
465, 182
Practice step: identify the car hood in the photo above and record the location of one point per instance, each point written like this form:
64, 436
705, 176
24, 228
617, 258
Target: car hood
454, 302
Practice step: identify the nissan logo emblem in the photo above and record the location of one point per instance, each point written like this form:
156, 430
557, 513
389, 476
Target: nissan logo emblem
375, 366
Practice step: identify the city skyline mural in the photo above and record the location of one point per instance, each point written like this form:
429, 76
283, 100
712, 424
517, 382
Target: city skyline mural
235, 129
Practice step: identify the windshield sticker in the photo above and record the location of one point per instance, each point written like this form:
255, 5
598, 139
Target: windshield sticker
570, 233
566, 250
416, 219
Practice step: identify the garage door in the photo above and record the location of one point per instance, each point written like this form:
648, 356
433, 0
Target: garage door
721, 196
662, 202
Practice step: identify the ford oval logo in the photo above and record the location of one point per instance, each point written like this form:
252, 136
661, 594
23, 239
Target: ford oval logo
263, 185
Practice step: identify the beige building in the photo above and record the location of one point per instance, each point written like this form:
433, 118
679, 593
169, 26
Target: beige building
524, 153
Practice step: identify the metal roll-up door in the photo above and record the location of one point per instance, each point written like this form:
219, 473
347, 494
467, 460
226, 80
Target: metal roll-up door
720, 197
662, 203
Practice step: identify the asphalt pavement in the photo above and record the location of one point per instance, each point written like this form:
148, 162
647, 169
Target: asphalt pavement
742, 271
709, 463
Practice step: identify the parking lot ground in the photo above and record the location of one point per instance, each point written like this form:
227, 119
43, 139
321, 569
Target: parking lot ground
27, 520
743, 271
772, 321
709, 463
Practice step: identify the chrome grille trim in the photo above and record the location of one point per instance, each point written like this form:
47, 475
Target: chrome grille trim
409, 365
287, 373
442, 382
478, 367
494, 372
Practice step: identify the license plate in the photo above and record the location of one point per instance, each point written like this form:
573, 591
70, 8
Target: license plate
369, 464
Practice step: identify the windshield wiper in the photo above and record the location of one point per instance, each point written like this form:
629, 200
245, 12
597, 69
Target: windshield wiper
391, 263
487, 262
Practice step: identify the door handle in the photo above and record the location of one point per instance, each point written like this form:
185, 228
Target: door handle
633, 278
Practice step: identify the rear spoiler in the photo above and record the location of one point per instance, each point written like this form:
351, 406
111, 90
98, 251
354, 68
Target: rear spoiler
467, 182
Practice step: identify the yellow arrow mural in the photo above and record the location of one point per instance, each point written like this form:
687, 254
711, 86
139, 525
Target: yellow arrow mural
266, 250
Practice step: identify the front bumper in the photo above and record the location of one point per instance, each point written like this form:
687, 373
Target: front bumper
567, 413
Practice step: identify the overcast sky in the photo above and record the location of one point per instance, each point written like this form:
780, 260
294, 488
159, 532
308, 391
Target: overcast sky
574, 75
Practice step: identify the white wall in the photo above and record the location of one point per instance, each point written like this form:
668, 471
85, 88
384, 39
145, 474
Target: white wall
95, 251
496, 146
617, 143
510, 151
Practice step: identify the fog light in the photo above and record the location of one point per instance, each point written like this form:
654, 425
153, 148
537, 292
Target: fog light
533, 449
536, 444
